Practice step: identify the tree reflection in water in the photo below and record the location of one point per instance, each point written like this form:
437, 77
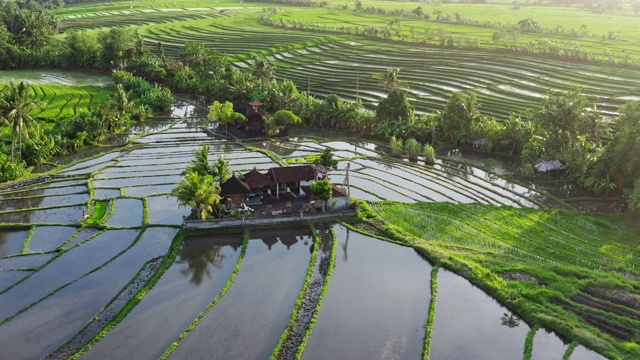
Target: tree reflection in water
199, 253
510, 320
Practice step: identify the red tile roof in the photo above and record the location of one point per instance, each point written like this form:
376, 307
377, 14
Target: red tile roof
256, 179
292, 173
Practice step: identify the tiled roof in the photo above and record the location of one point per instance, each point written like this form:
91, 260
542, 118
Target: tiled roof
292, 173
256, 179
234, 186
337, 191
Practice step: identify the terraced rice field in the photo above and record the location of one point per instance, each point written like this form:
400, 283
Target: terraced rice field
333, 64
504, 84
77, 278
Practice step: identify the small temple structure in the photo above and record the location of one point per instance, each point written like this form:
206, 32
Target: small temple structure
279, 184
253, 127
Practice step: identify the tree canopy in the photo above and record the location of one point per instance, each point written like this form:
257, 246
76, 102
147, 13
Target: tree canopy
322, 189
395, 107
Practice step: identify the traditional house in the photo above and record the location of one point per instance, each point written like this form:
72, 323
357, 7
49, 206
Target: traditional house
258, 182
290, 178
235, 190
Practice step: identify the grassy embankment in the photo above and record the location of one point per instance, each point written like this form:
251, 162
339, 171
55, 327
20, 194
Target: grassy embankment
570, 272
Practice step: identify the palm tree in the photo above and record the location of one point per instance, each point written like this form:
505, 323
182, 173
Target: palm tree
471, 106
263, 70
201, 163
390, 79
514, 131
16, 101
200, 193
218, 170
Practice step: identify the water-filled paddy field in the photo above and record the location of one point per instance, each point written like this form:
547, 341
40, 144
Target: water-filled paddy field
236, 293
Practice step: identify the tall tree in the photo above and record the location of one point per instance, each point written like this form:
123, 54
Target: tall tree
200, 193
263, 69
218, 169
461, 111
224, 113
16, 101
390, 79
562, 119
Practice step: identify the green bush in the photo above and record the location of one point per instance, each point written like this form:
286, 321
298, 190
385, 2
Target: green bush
11, 170
429, 154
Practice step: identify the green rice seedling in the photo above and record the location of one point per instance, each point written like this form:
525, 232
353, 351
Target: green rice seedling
413, 148
429, 154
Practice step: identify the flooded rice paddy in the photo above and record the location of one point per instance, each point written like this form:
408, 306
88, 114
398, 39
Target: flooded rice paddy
372, 314
56, 275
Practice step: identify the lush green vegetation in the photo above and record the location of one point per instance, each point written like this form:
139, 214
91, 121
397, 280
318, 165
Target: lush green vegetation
552, 266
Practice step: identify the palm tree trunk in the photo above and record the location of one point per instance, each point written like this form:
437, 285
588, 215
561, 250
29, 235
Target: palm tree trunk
20, 152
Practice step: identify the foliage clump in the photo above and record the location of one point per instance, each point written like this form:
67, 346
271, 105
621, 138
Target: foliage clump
200, 186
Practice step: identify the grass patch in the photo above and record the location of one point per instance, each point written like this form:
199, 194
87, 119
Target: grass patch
431, 319
100, 209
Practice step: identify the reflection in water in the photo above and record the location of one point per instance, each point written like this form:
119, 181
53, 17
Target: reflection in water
509, 320
345, 246
454, 169
288, 237
199, 253
11, 242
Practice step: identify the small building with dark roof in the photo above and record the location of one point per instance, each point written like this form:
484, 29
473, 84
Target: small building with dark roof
257, 181
235, 190
292, 177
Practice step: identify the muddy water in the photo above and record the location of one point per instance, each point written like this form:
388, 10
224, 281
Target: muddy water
64, 215
12, 241
249, 320
68, 267
59, 77
469, 324
42, 328
199, 273
44, 192
25, 261
45, 201
376, 305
